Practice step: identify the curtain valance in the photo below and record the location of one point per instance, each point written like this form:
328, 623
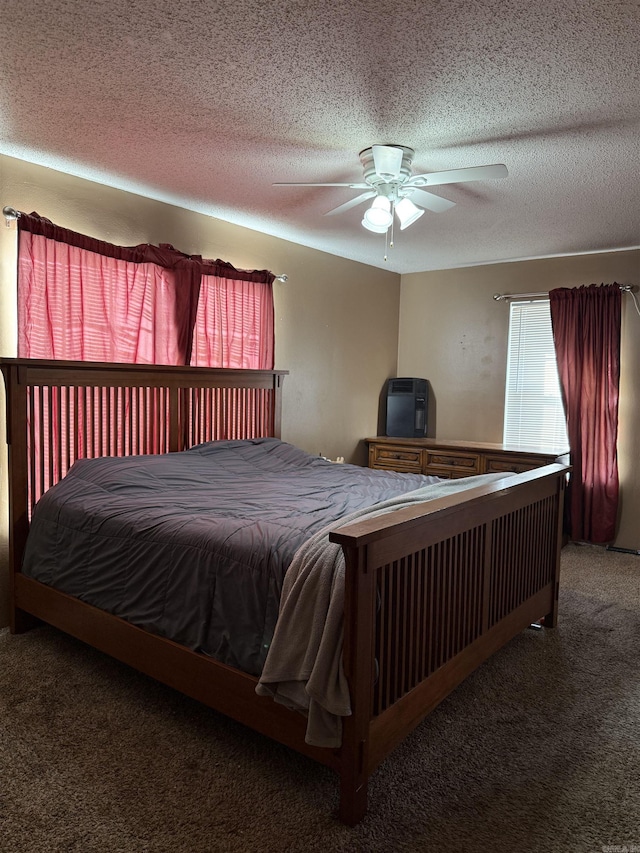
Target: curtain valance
164, 255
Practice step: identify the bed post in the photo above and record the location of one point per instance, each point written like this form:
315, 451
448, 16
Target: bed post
16, 405
358, 656
278, 381
551, 619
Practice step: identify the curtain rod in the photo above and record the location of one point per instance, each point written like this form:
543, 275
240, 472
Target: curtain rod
628, 288
10, 213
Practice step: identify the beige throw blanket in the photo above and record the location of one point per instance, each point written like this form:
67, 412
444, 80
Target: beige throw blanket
303, 669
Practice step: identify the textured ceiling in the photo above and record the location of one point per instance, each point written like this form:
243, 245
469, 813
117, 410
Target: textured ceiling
206, 104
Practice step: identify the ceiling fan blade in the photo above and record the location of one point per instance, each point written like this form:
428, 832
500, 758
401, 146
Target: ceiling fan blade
387, 160
430, 201
351, 203
295, 184
459, 176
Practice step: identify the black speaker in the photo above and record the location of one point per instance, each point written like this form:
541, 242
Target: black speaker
407, 401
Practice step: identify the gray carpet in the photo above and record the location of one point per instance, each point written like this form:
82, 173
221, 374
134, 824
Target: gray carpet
538, 751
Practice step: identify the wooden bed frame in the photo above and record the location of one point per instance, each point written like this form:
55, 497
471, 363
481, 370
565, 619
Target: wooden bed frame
431, 591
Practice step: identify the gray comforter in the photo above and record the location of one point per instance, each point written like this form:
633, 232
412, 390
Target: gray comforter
194, 546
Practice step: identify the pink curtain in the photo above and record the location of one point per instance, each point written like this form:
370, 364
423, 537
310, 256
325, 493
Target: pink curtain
234, 324
84, 299
586, 330
78, 305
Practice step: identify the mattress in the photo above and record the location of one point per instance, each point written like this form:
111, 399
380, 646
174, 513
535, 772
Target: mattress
194, 545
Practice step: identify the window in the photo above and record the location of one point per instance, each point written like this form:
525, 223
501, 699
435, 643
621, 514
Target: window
533, 411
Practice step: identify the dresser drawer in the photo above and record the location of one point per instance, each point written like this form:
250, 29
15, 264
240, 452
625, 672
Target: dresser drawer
509, 465
396, 458
451, 463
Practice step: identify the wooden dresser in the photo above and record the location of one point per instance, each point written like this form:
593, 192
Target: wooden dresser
455, 458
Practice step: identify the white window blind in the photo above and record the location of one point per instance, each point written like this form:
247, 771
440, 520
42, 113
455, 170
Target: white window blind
533, 412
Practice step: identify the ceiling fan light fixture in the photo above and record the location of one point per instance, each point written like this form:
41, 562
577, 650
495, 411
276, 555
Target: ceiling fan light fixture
407, 213
379, 214
377, 229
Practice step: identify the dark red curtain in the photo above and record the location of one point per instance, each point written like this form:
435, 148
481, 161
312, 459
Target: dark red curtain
586, 325
85, 299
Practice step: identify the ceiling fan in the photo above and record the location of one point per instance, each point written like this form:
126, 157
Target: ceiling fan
389, 182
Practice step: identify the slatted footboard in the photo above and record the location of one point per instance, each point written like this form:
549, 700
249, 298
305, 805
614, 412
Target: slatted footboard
431, 593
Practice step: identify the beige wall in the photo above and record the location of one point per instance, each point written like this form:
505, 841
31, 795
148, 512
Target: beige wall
336, 320
454, 333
